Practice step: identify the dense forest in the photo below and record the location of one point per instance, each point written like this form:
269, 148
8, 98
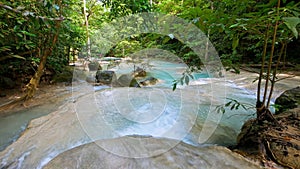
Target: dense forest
38, 39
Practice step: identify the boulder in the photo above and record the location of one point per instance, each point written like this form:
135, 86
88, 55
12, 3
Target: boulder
105, 77
288, 100
149, 81
93, 66
139, 72
126, 80
90, 79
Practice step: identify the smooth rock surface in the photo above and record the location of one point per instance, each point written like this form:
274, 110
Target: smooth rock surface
93, 156
48, 136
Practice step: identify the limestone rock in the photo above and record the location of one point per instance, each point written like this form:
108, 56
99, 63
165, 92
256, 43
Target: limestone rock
139, 72
92, 155
126, 80
149, 81
93, 66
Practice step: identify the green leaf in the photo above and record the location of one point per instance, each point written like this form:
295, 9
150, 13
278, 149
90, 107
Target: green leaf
222, 110
227, 104
19, 57
20, 8
191, 76
29, 34
296, 13
232, 107
187, 80
5, 48
166, 40
235, 42
291, 23
20, 35
234, 25
237, 107
174, 86
181, 80
244, 107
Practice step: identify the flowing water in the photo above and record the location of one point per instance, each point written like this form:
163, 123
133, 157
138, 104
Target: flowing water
94, 113
12, 125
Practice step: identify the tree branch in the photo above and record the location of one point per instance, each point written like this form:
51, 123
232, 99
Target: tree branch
291, 76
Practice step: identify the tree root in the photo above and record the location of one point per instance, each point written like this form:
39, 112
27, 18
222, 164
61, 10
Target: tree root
279, 143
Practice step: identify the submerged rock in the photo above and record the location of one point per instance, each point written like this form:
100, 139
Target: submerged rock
92, 155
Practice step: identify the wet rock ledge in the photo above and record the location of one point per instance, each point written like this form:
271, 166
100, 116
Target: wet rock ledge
93, 156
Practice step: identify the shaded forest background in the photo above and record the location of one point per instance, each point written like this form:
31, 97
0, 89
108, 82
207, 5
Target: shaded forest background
56, 31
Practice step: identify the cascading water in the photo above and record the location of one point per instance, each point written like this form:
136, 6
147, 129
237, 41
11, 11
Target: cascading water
96, 114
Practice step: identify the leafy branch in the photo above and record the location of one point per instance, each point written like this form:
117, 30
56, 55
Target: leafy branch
186, 77
234, 105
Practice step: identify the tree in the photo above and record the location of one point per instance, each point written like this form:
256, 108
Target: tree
32, 32
86, 21
284, 20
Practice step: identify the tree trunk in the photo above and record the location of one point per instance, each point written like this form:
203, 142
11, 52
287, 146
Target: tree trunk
68, 54
35, 80
87, 34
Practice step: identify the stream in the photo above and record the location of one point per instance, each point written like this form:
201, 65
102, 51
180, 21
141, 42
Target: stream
99, 112
12, 125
